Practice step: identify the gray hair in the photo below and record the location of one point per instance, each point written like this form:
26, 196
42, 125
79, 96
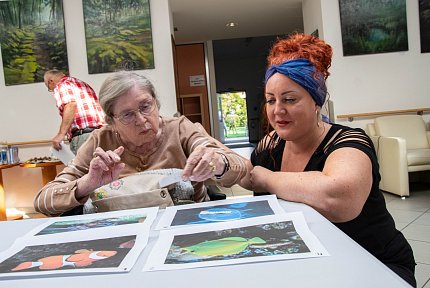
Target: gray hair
117, 85
54, 73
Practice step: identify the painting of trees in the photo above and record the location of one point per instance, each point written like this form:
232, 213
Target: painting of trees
118, 35
32, 39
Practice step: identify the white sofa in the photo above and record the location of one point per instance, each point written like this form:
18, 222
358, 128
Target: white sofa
402, 145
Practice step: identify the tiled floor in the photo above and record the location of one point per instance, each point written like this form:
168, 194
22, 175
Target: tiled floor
412, 217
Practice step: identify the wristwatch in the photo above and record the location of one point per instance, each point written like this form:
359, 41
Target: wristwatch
226, 166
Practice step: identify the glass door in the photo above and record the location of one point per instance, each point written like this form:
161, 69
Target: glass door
233, 117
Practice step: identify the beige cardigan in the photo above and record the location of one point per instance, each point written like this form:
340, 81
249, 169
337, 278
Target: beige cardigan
179, 138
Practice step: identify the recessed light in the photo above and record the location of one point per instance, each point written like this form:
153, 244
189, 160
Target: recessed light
232, 24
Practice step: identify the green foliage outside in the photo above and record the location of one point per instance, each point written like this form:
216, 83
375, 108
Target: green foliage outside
234, 114
373, 26
32, 39
118, 35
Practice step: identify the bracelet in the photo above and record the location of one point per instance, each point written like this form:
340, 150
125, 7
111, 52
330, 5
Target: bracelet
226, 166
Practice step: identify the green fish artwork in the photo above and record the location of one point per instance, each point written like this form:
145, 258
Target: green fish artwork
222, 247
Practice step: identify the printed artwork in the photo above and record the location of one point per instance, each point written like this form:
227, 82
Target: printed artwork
424, 8
373, 26
279, 236
118, 35
85, 224
107, 242
221, 213
32, 39
261, 240
101, 253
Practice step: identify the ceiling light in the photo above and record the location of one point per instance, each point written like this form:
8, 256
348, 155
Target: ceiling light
232, 24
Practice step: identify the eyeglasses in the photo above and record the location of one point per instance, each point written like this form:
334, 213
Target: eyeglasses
47, 85
129, 116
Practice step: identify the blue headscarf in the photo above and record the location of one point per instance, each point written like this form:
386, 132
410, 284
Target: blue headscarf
303, 73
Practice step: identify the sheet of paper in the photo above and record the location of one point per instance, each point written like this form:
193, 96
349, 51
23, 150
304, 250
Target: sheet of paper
65, 154
91, 243
115, 251
170, 179
219, 211
82, 225
266, 238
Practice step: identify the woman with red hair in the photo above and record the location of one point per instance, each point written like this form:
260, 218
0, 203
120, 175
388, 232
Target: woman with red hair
330, 167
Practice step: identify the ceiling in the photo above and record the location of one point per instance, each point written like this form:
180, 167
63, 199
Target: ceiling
203, 20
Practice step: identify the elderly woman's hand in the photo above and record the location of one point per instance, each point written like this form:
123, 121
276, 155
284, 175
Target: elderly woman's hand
203, 164
104, 168
259, 178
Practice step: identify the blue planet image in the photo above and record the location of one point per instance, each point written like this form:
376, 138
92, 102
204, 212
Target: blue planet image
223, 212
220, 214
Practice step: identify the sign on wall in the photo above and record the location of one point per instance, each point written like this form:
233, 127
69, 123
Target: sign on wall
197, 80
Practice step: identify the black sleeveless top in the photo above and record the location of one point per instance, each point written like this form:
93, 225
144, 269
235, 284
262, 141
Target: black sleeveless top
374, 227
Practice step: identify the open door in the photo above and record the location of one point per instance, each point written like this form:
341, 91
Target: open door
233, 117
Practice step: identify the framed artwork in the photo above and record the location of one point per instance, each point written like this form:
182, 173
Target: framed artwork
118, 35
315, 33
373, 26
424, 10
32, 39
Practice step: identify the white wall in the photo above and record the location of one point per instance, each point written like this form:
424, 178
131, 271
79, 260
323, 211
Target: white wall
28, 112
312, 17
375, 82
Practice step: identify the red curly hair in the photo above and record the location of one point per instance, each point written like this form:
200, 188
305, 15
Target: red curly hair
305, 46
295, 46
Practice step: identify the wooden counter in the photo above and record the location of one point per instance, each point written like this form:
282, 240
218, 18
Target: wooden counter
49, 170
2, 194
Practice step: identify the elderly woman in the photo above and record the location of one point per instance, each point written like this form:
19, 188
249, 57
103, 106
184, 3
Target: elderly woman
330, 167
138, 139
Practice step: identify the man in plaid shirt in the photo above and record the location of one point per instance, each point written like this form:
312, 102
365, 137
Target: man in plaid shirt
79, 108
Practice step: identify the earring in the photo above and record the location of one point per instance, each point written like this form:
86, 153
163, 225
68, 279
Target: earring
318, 122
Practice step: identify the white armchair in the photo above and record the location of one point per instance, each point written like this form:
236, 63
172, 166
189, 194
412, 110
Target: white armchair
402, 145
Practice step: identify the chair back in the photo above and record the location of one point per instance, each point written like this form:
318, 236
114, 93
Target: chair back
409, 127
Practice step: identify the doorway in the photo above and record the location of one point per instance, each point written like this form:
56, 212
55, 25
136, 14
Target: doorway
233, 117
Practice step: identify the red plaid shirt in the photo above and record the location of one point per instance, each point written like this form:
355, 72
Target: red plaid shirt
89, 114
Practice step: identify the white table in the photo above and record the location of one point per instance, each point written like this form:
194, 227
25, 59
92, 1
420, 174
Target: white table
348, 266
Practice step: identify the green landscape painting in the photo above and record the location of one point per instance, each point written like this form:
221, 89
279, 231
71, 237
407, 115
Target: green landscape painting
424, 8
118, 35
373, 26
32, 39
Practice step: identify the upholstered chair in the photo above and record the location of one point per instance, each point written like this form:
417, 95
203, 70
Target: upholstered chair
403, 145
